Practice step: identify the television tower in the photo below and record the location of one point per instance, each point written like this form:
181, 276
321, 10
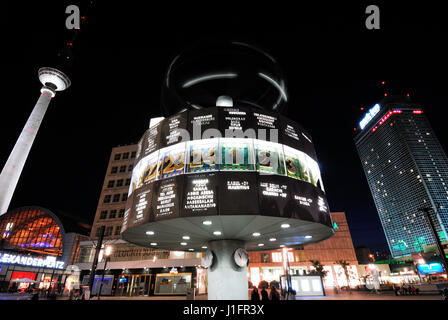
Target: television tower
53, 80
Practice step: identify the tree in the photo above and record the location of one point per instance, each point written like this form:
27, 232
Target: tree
344, 264
319, 268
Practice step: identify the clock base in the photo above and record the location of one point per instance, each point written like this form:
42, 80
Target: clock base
226, 280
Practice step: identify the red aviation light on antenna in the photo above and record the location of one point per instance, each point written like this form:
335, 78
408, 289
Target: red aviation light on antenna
383, 82
385, 94
417, 111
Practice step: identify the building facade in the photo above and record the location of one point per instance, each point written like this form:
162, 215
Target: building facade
270, 265
114, 193
406, 169
38, 249
132, 270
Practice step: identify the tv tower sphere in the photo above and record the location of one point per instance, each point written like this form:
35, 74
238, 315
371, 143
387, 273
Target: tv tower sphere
53, 80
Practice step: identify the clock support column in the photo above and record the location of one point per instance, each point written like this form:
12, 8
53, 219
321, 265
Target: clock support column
227, 280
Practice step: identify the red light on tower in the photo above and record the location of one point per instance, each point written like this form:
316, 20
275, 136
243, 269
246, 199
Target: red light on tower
383, 82
354, 129
407, 94
385, 94
362, 108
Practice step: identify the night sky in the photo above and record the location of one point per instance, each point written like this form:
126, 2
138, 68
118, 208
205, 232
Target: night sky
333, 67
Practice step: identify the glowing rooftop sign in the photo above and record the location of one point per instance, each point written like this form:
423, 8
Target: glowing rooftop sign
369, 116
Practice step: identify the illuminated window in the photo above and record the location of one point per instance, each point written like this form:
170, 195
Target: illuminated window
290, 256
112, 214
103, 214
108, 231
276, 257
265, 257
98, 232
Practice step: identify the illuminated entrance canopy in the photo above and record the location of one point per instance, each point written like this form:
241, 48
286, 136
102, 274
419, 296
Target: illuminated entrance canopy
369, 116
48, 262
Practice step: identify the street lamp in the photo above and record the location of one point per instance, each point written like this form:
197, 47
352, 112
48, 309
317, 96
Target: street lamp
107, 253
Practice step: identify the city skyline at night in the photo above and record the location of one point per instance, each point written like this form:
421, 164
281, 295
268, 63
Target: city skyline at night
117, 74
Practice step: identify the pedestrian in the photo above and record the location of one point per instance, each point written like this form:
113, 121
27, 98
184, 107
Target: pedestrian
412, 289
274, 295
396, 290
71, 294
445, 293
35, 295
255, 296
403, 290
264, 295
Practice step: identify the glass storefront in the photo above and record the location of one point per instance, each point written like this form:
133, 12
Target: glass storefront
134, 285
167, 283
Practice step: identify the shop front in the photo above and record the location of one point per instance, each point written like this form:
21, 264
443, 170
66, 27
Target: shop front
19, 275
144, 282
137, 272
36, 250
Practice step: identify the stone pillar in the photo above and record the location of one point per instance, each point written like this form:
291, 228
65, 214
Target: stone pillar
226, 280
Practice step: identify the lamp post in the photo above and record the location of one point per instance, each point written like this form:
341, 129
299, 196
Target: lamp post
107, 253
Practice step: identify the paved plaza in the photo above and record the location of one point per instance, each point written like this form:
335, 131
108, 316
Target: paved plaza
355, 295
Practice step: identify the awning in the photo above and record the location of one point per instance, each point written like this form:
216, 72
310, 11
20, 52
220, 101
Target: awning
24, 280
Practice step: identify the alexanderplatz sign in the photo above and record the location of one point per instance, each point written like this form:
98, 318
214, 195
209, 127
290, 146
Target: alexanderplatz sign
48, 262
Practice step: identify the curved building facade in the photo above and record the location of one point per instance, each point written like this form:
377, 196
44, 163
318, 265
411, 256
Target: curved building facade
36, 246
